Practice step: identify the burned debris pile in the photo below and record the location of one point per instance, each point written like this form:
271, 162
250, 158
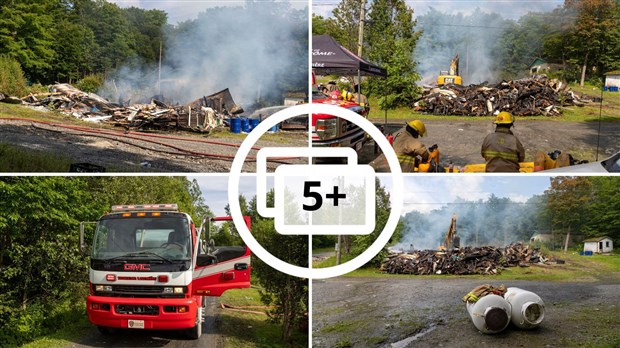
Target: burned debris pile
200, 115
466, 260
532, 96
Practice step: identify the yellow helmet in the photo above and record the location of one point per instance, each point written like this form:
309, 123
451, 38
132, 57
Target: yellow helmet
346, 95
418, 126
504, 117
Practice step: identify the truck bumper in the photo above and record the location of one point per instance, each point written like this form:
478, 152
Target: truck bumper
164, 313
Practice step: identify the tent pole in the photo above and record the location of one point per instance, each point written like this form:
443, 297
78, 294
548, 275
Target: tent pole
359, 87
385, 96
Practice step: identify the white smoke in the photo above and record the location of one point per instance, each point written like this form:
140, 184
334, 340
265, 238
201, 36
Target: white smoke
490, 211
473, 37
258, 51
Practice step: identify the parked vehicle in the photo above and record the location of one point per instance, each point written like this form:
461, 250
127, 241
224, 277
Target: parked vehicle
608, 165
150, 268
332, 131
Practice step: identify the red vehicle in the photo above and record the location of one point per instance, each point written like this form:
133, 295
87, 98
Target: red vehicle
151, 269
332, 131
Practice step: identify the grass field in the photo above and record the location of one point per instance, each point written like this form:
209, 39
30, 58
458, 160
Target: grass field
65, 336
19, 160
244, 329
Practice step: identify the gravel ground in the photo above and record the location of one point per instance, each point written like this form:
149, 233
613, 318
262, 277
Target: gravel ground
122, 153
422, 312
459, 141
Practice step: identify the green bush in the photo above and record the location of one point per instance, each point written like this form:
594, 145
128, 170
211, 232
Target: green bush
91, 83
12, 80
19, 326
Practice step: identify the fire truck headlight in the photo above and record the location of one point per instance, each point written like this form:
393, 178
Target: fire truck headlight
167, 291
107, 288
178, 290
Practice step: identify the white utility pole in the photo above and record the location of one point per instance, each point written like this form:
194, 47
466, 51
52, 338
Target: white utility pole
360, 38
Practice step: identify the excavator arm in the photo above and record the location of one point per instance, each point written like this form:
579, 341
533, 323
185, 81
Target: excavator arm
451, 237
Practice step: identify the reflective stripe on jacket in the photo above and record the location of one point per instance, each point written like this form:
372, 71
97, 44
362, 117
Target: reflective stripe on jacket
407, 149
502, 151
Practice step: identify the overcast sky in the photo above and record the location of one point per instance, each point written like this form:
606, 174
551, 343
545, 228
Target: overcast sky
182, 10
423, 193
508, 9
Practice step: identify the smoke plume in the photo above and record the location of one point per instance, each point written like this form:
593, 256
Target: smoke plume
494, 221
258, 51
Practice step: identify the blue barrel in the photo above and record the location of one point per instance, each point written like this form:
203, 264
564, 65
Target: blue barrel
253, 123
235, 125
245, 125
273, 129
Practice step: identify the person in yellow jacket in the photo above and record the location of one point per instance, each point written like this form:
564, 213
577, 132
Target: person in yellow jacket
502, 150
408, 148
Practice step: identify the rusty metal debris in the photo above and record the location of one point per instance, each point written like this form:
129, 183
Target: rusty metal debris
537, 95
466, 260
200, 115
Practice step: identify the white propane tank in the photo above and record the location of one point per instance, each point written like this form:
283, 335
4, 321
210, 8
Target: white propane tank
528, 309
490, 314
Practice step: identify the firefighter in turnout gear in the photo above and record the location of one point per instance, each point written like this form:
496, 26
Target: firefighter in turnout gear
501, 149
408, 148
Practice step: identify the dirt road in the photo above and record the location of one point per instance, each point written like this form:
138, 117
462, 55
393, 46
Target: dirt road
169, 339
459, 141
423, 312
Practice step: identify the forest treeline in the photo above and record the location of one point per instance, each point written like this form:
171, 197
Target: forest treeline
65, 40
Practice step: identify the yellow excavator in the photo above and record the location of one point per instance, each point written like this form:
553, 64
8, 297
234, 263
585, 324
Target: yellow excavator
451, 76
452, 240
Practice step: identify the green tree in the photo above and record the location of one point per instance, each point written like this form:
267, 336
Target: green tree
391, 41
111, 30
40, 264
75, 51
567, 200
147, 28
27, 34
595, 29
383, 207
346, 23
289, 294
12, 80
603, 213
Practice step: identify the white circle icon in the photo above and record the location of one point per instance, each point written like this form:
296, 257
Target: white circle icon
396, 197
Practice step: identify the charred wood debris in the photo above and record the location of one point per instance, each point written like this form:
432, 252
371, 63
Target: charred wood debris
533, 96
466, 260
201, 115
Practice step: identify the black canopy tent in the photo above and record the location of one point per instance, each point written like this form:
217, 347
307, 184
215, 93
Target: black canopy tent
331, 58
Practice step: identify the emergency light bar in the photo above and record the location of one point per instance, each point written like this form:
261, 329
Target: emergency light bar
145, 207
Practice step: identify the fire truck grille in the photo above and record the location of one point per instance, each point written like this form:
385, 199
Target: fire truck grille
139, 309
144, 291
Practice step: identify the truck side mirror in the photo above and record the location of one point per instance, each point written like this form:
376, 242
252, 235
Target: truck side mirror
84, 247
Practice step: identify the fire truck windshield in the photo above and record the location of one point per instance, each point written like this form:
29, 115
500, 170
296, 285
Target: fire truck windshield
152, 238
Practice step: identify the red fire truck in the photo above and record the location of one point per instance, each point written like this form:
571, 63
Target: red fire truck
151, 268
332, 131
